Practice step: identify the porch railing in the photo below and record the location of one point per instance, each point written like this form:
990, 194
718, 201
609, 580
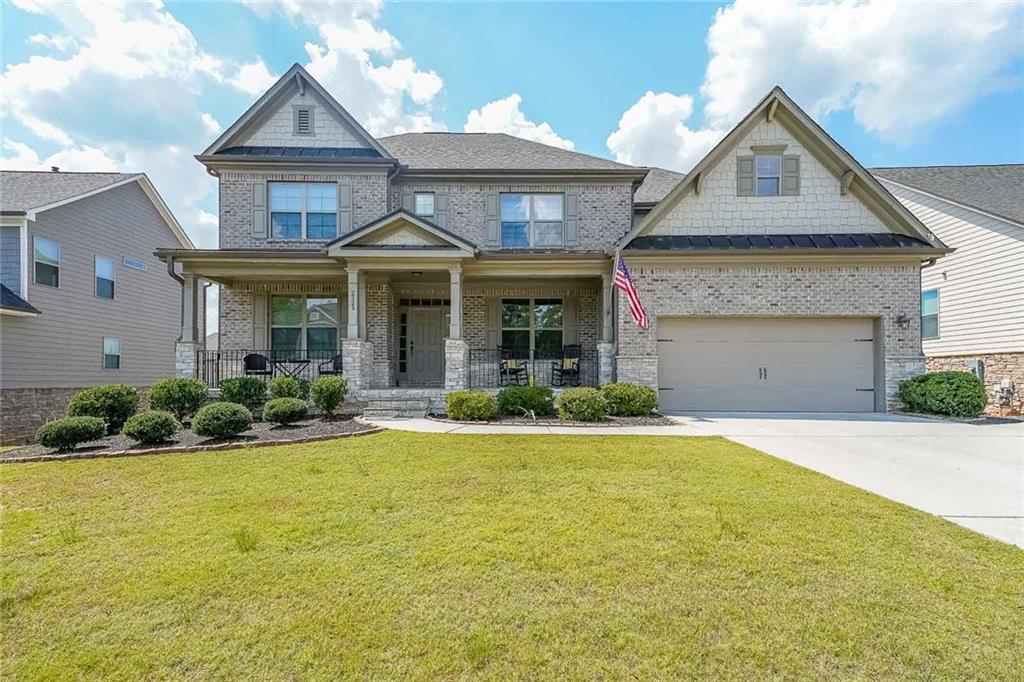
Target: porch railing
485, 370
214, 366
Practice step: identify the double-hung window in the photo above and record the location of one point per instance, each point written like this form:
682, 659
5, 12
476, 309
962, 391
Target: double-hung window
768, 170
532, 220
532, 324
304, 323
303, 210
111, 353
424, 204
930, 314
104, 277
47, 262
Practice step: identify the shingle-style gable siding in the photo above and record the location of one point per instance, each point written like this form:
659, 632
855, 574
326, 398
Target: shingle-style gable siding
279, 128
10, 258
819, 207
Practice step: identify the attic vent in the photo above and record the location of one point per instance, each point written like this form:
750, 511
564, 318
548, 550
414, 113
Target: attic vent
303, 120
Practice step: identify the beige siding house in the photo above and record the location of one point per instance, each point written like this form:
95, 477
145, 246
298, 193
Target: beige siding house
87, 301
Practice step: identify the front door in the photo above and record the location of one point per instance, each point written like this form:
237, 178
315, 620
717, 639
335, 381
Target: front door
426, 346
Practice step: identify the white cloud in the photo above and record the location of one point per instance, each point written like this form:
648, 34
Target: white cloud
653, 132
206, 236
505, 116
211, 124
69, 159
253, 78
60, 43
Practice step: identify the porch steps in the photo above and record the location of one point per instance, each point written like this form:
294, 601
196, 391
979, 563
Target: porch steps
386, 403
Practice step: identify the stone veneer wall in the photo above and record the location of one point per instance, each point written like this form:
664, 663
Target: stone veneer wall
24, 410
998, 366
884, 292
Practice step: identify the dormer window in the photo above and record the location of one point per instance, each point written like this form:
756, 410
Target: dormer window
303, 116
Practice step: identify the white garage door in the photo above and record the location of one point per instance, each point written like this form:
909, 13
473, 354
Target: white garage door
766, 364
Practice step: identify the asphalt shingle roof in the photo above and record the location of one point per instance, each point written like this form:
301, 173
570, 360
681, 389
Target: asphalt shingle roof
993, 189
24, 190
656, 186
774, 241
487, 151
11, 301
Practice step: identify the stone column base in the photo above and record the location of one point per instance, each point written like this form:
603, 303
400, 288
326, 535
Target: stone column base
897, 370
456, 364
186, 358
357, 365
637, 369
605, 362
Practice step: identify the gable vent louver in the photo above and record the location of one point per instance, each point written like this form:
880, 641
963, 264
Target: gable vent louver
304, 121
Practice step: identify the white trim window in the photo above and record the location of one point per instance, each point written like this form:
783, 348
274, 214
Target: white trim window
303, 210
533, 325
304, 323
930, 314
768, 175
46, 262
532, 220
111, 353
104, 277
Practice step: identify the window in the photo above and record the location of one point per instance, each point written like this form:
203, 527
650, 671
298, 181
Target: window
531, 220
303, 211
132, 263
532, 325
104, 277
111, 353
424, 203
930, 314
769, 175
303, 120
47, 262
304, 323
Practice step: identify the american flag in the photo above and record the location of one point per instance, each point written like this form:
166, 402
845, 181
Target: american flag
624, 283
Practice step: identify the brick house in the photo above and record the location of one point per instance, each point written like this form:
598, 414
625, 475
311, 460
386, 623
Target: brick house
778, 274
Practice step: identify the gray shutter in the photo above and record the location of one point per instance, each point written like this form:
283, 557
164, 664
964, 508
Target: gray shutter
408, 202
260, 337
569, 327
571, 230
493, 335
744, 176
259, 209
441, 209
791, 175
493, 234
344, 208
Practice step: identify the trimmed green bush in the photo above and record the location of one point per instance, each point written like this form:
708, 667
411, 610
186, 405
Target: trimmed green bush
629, 400
581, 405
521, 401
180, 396
221, 420
246, 391
470, 406
289, 387
955, 394
67, 432
112, 403
152, 426
327, 393
285, 411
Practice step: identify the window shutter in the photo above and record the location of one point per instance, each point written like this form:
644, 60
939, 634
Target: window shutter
441, 209
791, 175
344, 208
569, 326
493, 237
744, 176
260, 337
408, 202
493, 334
571, 226
259, 209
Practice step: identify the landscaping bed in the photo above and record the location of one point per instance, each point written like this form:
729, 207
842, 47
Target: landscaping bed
650, 420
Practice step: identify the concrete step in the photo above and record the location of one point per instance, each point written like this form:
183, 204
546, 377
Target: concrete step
396, 407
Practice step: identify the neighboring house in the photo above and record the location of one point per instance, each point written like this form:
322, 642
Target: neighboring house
85, 302
973, 300
778, 274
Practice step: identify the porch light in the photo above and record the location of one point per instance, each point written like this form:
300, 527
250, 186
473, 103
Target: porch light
902, 321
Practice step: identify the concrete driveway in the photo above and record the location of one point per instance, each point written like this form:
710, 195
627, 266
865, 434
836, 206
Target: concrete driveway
972, 475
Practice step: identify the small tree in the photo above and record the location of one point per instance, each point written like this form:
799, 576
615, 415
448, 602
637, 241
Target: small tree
327, 393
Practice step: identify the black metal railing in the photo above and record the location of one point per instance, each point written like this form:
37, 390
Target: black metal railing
213, 366
488, 370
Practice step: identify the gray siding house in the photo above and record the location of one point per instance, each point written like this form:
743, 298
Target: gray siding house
85, 301
778, 274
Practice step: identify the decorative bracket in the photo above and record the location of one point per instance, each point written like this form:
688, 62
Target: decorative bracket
771, 109
844, 184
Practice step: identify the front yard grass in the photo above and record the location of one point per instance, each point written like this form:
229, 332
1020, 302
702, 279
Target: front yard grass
446, 557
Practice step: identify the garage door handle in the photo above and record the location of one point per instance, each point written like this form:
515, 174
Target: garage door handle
665, 389
865, 389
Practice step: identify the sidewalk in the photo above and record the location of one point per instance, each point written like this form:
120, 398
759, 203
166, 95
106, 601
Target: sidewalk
430, 426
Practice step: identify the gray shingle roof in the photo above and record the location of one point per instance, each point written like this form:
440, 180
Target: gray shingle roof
993, 189
656, 186
24, 190
11, 301
666, 242
488, 151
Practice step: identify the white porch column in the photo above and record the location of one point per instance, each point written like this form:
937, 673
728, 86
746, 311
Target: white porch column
356, 304
455, 326
189, 305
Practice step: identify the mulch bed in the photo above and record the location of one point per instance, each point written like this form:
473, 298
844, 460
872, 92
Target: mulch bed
652, 420
261, 434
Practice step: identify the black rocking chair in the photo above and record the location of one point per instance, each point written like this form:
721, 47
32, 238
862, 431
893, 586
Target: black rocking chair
567, 370
255, 364
512, 371
330, 368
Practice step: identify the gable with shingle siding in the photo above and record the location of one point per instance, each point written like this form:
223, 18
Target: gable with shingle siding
328, 130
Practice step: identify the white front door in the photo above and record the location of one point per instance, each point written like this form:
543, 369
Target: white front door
426, 346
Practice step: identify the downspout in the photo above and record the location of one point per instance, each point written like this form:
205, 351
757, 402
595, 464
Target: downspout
181, 299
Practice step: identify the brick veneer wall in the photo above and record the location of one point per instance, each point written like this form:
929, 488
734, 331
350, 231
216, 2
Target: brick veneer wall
884, 292
998, 366
24, 410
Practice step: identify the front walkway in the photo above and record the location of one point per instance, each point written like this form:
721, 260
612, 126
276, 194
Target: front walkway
431, 426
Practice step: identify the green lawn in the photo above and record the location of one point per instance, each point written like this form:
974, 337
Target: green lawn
449, 557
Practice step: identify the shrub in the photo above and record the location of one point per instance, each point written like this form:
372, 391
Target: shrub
629, 400
521, 401
67, 432
153, 426
113, 404
289, 387
221, 420
328, 393
956, 394
471, 406
246, 391
179, 396
285, 411
581, 405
